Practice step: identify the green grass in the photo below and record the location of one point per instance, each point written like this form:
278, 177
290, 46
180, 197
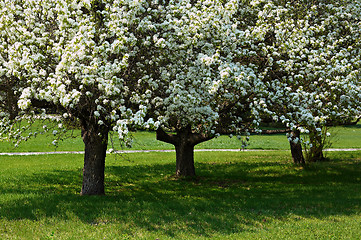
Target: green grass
237, 195
341, 137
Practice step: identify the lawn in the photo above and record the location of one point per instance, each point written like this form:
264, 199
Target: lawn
237, 195
341, 137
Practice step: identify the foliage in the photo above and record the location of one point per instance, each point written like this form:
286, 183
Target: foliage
310, 52
71, 59
198, 63
100, 61
196, 78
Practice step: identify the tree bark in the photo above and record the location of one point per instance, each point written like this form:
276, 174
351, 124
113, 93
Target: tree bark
316, 151
95, 139
184, 154
184, 141
296, 148
10, 102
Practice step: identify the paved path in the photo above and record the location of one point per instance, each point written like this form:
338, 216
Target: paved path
147, 151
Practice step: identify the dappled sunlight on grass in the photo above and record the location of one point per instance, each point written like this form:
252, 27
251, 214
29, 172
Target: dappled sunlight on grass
235, 194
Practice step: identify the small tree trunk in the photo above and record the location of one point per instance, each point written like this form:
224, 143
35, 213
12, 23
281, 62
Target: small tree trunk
296, 148
316, 151
95, 139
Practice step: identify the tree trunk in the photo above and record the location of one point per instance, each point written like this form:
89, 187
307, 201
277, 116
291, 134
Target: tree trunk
95, 139
184, 142
184, 155
316, 151
296, 148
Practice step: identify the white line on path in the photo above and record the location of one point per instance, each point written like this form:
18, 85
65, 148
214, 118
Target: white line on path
147, 151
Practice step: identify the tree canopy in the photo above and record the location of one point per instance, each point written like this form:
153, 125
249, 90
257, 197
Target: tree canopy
195, 68
311, 72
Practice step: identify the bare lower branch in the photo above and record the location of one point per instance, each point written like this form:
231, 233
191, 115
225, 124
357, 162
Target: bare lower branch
165, 137
196, 138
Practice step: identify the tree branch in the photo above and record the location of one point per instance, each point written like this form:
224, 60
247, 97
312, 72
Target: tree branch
196, 138
165, 137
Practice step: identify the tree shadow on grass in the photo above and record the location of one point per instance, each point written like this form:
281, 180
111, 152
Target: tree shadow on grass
354, 126
225, 197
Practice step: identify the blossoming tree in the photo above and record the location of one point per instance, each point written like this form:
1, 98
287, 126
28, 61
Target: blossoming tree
311, 52
197, 83
70, 58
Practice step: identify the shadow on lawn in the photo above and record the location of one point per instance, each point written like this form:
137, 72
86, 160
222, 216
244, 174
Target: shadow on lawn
225, 198
355, 126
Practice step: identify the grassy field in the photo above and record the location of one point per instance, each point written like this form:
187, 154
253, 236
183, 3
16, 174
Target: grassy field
237, 195
341, 137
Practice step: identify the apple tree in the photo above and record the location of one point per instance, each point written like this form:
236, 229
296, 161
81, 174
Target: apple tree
72, 60
198, 83
311, 52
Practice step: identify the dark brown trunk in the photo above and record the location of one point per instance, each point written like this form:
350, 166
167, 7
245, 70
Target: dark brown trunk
9, 105
184, 142
296, 148
184, 155
95, 139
